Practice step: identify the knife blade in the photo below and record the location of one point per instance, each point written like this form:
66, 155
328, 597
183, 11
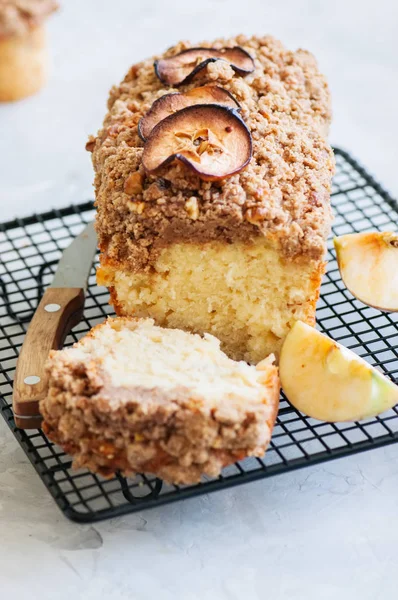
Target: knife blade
60, 309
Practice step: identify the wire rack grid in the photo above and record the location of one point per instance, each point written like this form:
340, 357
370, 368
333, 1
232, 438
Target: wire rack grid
31, 247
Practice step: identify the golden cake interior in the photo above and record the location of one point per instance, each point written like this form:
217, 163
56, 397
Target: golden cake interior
141, 354
246, 294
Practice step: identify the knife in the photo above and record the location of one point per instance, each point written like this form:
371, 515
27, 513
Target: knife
60, 309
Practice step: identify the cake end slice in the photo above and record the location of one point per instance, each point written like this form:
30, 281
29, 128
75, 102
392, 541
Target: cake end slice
134, 397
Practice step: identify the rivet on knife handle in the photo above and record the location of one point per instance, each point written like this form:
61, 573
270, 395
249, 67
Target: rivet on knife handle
59, 310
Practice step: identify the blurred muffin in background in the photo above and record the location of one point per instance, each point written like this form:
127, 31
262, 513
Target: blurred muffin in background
23, 48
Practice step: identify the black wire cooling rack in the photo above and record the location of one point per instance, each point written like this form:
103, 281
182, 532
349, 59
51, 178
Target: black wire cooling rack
31, 247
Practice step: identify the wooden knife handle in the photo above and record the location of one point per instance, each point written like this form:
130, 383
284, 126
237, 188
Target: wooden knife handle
60, 309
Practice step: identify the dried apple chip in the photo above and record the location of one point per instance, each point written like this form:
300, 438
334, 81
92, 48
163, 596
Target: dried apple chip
212, 140
182, 68
170, 103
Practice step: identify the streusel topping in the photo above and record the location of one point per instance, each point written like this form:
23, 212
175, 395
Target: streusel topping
283, 194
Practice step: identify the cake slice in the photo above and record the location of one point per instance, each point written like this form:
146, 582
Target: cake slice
213, 217
134, 397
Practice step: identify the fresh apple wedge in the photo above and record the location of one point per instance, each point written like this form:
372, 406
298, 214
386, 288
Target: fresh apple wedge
328, 382
368, 264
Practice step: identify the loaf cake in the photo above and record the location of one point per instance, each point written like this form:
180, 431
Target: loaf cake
212, 178
133, 397
23, 48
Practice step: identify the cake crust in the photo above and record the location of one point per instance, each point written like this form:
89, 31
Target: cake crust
175, 433
282, 195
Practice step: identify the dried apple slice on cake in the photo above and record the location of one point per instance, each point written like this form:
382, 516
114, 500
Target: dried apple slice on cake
326, 381
212, 140
170, 103
368, 264
182, 68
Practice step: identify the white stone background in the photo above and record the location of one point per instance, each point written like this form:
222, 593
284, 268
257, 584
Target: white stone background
327, 532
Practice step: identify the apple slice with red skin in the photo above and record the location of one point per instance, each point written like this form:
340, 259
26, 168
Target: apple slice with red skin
170, 103
183, 67
212, 140
368, 264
